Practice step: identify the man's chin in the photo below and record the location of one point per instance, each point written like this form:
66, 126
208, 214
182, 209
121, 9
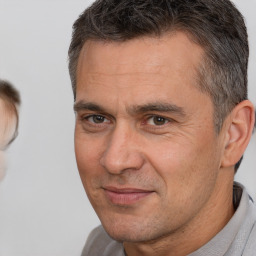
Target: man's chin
128, 231
128, 237
129, 223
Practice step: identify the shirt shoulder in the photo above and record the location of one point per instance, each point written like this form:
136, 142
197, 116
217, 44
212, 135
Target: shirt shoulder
99, 243
250, 248
245, 241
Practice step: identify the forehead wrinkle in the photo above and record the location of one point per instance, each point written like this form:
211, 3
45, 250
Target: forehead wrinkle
118, 83
123, 56
96, 75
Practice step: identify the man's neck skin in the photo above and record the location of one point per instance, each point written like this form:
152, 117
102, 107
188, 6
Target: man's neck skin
212, 218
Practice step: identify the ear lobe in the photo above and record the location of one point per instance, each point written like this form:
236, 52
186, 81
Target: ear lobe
238, 132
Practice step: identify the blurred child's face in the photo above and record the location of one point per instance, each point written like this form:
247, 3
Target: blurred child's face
8, 122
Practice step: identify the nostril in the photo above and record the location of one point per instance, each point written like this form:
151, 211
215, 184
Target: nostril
123, 150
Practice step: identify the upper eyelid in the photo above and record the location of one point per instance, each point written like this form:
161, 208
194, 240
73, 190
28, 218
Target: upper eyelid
86, 117
152, 116
159, 115
89, 114
159, 126
111, 118
106, 120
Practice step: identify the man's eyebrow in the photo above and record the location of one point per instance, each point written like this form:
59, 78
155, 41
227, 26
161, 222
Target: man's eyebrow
133, 110
81, 105
158, 107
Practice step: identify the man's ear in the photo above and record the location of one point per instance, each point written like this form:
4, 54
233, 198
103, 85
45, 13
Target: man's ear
238, 130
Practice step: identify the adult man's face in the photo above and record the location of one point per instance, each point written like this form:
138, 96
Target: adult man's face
145, 143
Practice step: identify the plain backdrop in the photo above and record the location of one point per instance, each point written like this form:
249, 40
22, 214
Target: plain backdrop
43, 208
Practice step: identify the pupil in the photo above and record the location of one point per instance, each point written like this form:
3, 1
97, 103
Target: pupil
98, 119
159, 120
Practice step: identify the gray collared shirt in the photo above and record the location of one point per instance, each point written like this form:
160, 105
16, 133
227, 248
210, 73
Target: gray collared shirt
237, 238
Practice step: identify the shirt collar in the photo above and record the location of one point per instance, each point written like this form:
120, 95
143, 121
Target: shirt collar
219, 244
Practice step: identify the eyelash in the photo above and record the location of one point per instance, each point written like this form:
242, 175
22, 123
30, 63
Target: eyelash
87, 117
145, 122
160, 118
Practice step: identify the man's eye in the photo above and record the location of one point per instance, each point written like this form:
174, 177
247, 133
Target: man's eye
97, 119
157, 120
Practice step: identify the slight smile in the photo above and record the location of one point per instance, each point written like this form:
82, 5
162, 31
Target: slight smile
125, 196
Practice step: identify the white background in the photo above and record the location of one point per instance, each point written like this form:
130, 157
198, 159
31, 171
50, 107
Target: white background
43, 208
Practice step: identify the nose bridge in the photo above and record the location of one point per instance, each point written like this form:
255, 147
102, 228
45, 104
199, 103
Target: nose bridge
122, 151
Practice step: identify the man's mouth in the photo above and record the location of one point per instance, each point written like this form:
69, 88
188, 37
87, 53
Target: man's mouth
125, 196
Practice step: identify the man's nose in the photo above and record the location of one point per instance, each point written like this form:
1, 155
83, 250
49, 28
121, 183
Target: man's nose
122, 151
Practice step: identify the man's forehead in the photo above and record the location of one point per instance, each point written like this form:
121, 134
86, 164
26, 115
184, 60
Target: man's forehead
139, 71
144, 53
